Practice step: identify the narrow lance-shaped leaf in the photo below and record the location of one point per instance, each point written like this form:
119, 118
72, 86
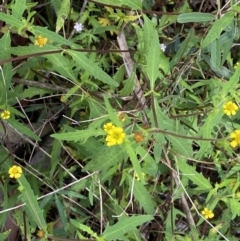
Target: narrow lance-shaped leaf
92, 68
117, 231
143, 197
217, 28
153, 53
82, 135
32, 207
195, 17
196, 177
62, 14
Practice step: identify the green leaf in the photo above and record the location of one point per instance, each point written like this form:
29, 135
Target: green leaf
181, 145
84, 228
217, 28
51, 36
215, 54
195, 17
234, 207
230, 86
63, 65
143, 197
23, 129
152, 53
32, 49
62, 14
92, 68
61, 210
206, 130
196, 177
18, 8
134, 160
105, 157
190, 41
11, 20
32, 208
6, 71
56, 152
133, 4
78, 135
126, 224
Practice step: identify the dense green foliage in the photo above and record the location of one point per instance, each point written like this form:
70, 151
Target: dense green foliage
119, 120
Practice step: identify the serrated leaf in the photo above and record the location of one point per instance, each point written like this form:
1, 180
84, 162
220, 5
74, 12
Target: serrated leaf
190, 41
62, 14
61, 210
183, 147
62, 65
152, 53
234, 206
105, 157
217, 28
78, 135
23, 129
118, 230
11, 20
215, 54
143, 197
134, 160
18, 8
230, 86
26, 50
133, 4
86, 229
206, 130
196, 177
32, 208
195, 17
92, 68
6, 71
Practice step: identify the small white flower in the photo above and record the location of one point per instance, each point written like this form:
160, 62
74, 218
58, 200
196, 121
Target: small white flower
163, 47
78, 27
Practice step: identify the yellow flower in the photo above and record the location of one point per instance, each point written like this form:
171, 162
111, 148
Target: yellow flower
109, 126
236, 65
137, 177
138, 136
236, 138
15, 171
207, 213
40, 233
5, 114
40, 41
115, 136
230, 108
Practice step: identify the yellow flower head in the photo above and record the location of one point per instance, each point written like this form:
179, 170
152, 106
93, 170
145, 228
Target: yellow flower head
40, 233
207, 213
236, 65
15, 172
137, 177
5, 114
138, 136
109, 126
115, 136
230, 108
236, 138
40, 41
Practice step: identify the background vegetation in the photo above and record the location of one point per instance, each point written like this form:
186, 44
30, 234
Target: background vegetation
119, 120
